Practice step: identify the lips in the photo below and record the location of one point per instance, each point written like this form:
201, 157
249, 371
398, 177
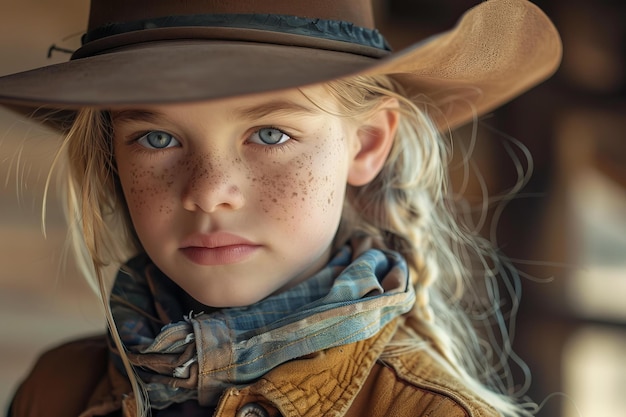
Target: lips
218, 249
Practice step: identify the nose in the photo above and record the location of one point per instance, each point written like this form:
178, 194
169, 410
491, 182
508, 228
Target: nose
211, 185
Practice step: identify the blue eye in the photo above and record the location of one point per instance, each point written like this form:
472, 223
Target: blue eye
158, 140
269, 136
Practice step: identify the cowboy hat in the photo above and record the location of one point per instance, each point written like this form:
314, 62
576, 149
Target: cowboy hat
138, 52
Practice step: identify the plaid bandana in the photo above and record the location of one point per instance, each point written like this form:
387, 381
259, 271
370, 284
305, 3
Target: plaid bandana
182, 356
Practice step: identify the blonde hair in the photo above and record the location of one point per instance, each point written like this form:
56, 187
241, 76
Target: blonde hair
409, 206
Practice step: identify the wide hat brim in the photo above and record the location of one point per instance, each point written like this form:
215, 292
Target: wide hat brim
498, 50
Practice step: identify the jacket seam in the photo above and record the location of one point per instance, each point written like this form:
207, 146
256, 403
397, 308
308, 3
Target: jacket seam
459, 399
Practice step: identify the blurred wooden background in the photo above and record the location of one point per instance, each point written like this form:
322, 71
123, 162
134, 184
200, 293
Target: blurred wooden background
569, 219
41, 303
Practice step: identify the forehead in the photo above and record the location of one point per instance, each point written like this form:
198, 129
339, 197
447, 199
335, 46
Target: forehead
306, 101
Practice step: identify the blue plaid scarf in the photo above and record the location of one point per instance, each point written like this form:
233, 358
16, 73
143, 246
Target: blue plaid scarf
182, 356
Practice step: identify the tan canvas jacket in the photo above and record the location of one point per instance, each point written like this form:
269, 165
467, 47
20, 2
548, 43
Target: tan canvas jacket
348, 381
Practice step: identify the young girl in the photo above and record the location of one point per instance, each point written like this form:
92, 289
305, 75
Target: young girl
276, 177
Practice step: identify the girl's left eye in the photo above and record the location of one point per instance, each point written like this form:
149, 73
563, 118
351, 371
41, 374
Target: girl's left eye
158, 139
269, 136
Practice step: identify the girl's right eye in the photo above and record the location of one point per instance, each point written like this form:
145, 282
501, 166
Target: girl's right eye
158, 139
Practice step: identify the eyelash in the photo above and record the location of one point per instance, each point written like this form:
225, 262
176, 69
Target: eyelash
269, 148
151, 147
133, 142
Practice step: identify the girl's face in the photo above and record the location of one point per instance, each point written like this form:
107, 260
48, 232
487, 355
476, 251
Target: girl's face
239, 198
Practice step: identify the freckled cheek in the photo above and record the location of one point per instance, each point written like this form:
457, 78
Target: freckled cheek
302, 193
148, 190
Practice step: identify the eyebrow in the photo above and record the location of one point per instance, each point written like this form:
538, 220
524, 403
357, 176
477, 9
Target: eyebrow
274, 108
136, 116
253, 112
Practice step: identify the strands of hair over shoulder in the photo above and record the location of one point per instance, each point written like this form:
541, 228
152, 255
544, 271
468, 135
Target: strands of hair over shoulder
97, 216
409, 206
457, 274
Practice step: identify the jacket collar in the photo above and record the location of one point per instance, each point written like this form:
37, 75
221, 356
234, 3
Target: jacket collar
340, 374
291, 388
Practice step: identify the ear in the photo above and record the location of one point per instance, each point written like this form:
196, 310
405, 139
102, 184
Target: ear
374, 138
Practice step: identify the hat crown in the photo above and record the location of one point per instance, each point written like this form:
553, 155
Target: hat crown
138, 52
104, 12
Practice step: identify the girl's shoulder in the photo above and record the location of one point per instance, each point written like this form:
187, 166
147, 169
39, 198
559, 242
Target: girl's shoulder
416, 379
64, 380
413, 382
418, 382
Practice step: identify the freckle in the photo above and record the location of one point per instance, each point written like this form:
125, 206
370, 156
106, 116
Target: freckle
294, 194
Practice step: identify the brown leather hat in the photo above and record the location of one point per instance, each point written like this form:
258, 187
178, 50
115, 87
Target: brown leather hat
160, 51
